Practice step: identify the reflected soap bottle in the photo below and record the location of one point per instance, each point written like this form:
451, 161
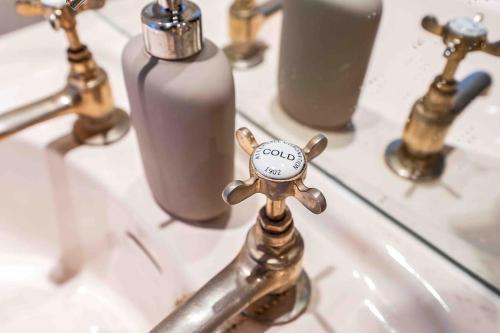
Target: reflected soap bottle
325, 51
181, 94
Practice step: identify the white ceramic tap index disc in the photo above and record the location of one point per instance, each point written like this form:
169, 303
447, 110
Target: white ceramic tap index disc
278, 160
54, 3
467, 27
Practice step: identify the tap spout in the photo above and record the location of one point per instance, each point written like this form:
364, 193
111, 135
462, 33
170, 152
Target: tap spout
223, 297
47, 108
267, 264
469, 88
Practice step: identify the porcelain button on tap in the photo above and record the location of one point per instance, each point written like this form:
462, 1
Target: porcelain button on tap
54, 3
467, 26
278, 160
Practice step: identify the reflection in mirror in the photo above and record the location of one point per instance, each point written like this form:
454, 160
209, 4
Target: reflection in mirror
457, 213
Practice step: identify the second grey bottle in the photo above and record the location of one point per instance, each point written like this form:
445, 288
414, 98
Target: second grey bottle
325, 50
181, 93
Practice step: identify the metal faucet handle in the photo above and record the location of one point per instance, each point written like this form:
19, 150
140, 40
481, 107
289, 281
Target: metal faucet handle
81, 5
277, 170
462, 35
47, 7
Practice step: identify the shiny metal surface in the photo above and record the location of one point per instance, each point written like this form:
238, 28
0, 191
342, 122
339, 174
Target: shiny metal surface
173, 5
87, 92
270, 262
421, 153
245, 21
172, 29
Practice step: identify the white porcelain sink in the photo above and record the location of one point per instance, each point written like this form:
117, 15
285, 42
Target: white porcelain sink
84, 248
81, 257
70, 256
404, 63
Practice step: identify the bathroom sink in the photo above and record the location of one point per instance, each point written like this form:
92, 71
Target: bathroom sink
403, 64
83, 254
84, 247
71, 260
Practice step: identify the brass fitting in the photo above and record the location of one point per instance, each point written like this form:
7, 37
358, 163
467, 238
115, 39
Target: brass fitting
245, 21
269, 265
419, 156
277, 170
87, 92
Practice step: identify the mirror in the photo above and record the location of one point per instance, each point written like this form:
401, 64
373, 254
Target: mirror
458, 214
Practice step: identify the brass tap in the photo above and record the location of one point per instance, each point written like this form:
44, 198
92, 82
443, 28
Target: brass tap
269, 266
245, 20
420, 155
87, 92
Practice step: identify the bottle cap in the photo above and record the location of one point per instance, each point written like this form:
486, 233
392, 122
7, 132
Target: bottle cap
172, 29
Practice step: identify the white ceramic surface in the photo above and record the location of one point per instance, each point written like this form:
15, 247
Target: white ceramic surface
88, 211
69, 257
459, 214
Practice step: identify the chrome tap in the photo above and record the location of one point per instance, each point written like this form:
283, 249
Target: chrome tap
87, 92
245, 21
269, 265
420, 156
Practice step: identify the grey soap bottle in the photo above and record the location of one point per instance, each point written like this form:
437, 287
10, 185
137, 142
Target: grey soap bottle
182, 100
325, 50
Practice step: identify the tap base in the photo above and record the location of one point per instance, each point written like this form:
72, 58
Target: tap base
104, 131
245, 55
279, 309
411, 167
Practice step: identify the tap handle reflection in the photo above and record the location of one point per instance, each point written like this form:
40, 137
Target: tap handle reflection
431, 24
462, 35
277, 170
47, 7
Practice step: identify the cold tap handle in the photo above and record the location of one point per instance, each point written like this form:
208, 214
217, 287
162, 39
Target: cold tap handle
492, 48
246, 140
462, 35
431, 24
277, 170
315, 146
82, 5
46, 7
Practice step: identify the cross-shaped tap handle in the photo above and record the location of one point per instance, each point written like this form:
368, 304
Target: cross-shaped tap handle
462, 35
277, 170
47, 7
61, 14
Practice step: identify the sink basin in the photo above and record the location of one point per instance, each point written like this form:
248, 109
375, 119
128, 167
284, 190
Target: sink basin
71, 260
403, 64
84, 247
80, 254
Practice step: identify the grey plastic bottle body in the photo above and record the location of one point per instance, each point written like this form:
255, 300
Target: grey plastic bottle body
183, 112
325, 51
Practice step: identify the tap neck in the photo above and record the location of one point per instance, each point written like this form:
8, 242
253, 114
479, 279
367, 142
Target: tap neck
270, 235
82, 64
275, 209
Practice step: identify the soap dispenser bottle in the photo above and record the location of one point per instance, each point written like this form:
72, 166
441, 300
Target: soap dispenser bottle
325, 50
182, 101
